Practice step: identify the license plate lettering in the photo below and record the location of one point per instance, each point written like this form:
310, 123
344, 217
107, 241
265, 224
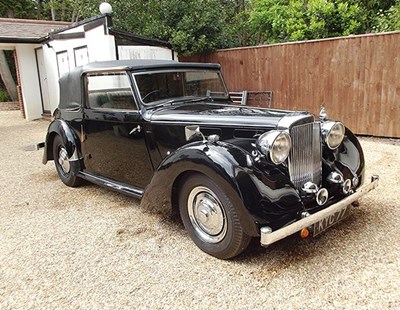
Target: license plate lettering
330, 220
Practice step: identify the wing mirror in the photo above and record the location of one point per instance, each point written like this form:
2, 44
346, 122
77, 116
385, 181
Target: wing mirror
193, 131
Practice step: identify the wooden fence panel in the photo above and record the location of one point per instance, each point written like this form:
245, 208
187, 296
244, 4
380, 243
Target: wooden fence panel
357, 78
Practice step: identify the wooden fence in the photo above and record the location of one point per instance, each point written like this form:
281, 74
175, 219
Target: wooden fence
357, 78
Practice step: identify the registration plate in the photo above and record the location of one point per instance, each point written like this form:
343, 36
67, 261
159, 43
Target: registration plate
330, 220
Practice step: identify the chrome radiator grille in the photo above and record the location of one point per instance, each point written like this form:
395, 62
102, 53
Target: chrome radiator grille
305, 155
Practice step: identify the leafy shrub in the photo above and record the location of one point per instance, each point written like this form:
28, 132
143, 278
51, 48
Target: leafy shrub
388, 20
274, 21
4, 95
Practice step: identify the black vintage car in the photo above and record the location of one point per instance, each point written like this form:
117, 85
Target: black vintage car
168, 133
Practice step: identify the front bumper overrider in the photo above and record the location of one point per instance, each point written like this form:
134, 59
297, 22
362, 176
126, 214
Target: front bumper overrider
268, 236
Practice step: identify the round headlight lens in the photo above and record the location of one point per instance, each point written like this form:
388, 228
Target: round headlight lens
333, 134
275, 143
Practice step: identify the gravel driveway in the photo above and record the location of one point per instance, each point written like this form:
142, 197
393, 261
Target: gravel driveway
91, 248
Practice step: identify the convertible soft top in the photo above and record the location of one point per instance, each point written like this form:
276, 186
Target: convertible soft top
71, 84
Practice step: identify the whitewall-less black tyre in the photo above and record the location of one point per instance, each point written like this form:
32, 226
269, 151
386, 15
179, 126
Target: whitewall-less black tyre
210, 218
67, 170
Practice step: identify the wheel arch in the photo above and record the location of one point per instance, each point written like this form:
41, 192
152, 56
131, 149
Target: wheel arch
348, 159
214, 161
68, 137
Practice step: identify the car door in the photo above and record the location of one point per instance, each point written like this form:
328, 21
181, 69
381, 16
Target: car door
114, 143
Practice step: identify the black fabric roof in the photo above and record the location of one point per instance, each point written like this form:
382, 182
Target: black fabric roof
141, 64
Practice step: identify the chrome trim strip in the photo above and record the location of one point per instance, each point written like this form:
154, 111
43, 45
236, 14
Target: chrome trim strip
288, 121
114, 185
74, 156
269, 238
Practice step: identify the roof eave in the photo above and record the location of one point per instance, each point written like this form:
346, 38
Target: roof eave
22, 40
80, 23
139, 39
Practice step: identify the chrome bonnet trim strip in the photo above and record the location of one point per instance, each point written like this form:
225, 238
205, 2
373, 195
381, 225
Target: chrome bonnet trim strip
268, 237
288, 121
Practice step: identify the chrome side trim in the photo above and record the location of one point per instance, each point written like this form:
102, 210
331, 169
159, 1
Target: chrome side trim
268, 238
111, 184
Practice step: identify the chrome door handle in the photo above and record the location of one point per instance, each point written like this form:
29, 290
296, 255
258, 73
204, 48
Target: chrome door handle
137, 129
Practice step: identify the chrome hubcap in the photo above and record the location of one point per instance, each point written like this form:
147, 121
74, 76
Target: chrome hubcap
206, 214
63, 160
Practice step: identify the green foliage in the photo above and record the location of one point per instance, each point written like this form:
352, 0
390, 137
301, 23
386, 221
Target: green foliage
274, 21
67, 10
191, 26
18, 8
388, 20
4, 97
196, 26
371, 10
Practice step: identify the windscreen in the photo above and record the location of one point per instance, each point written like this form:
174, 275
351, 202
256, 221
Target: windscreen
160, 86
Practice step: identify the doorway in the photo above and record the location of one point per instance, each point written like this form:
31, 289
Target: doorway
44, 89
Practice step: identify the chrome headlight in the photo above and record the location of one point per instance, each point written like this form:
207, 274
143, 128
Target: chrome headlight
276, 144
332, 133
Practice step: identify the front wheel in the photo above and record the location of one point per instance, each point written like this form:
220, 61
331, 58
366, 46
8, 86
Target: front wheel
210, 218
67, 170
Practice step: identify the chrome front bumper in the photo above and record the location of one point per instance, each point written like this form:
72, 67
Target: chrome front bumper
268, 236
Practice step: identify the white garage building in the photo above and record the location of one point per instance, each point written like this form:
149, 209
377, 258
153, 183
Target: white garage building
45, 50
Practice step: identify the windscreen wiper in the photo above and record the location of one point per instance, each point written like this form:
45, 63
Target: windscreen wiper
183, 99
186, 99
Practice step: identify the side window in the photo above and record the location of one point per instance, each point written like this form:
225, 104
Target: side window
110, 90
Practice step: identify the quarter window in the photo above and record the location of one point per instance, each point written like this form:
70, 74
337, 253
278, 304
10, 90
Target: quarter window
110, 91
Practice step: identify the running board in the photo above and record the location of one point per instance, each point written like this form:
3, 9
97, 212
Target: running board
112, 184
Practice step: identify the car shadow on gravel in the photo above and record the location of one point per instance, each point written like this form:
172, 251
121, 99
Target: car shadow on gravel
44, 176
290, 252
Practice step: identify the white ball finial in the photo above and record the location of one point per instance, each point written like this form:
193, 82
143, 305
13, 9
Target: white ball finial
105, 8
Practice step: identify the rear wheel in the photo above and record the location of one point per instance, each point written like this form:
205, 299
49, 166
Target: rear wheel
210, 218
67, 170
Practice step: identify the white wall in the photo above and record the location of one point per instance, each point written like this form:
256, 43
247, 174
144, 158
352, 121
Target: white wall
68, 46
50, 58
7, 46
49, 55
144, 52
99, 46
29, 81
